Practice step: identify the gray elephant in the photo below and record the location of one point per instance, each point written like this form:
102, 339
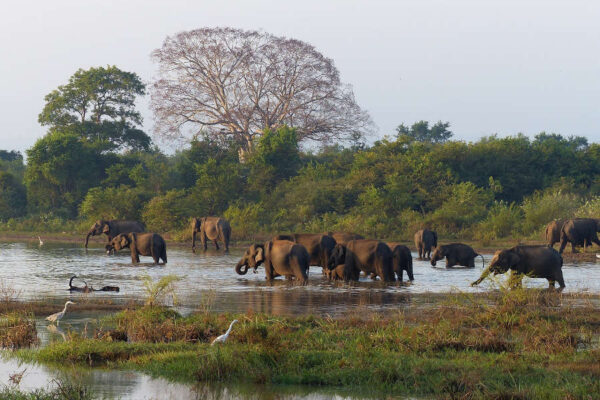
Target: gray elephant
425, 240
369, 256
533, 261
280, 257
211, 228
112, 228
579, 232
455, 254
401, 260
318, 245
141, 244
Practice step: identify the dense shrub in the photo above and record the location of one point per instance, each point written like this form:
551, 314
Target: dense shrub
121, 202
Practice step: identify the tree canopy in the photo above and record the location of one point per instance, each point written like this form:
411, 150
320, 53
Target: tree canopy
235, 83
98, 104
421, 132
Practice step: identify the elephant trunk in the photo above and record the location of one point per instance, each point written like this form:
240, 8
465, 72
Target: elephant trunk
409, 270
87, 238
484, 274
241, 268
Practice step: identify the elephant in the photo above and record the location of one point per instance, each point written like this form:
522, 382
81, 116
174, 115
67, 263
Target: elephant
579, 232
211, 228
553, 231
319, 246
370, 256
534, 261
425, 240
145, 244
344, 237
280, 257
402, 260
113, 228
455, 254
337, 273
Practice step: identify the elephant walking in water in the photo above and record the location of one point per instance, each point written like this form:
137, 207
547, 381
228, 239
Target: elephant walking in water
145, 244
318, 245
369, 256
211, 228
425, 240
401, 260
113, 228
455, 254
579, 232
280, 257
533, 261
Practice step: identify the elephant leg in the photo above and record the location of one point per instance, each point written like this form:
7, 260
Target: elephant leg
573, 248
373, 275
551, 283
559, 278
472, 263
216, 244
204, 240
595, 240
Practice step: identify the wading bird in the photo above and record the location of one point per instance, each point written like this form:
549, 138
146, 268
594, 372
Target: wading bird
223, 338
58, 316
41, 242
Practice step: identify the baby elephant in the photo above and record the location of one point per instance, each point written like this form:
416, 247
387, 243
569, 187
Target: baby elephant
145, 244
455, 254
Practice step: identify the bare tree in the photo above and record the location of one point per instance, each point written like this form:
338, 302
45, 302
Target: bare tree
235, 83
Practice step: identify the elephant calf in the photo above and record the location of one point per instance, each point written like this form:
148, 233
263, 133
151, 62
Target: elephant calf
533, 261
401, 260
280, 257
425, 240
455, 254
145, 244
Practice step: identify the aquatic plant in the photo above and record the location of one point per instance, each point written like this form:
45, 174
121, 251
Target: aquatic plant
158, 293
17, 330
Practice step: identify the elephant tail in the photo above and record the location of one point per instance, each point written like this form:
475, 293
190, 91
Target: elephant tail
482, 260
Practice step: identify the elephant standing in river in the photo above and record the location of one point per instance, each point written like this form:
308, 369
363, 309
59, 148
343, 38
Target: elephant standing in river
401, 260
533, 261
425, 240
145, 244
370, 256
211, 228
280, 257
455, 254
553, 231
113, 228
579, 232
319, 246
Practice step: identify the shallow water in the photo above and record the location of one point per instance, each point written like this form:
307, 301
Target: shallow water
114, 384
209, 281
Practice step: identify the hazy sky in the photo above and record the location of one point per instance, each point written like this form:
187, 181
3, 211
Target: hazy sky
486, 66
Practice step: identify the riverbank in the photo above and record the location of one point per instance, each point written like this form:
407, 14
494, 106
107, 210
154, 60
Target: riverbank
515, 344
483, 248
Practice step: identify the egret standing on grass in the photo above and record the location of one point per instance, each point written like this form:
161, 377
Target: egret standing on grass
58, 316
223, 338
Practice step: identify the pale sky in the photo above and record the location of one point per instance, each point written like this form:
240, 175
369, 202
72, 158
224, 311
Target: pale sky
486, 66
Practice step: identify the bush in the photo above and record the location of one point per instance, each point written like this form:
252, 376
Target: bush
591, 209
121, 202
543, 207
246, 219
13, 198
502, 220
171, 211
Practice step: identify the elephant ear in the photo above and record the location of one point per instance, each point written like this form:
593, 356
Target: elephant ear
513, 258
124, 241
106, 228
260, 255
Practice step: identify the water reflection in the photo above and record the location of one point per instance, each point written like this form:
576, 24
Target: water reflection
134, 385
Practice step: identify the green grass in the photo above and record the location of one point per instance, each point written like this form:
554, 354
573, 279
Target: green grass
518, 344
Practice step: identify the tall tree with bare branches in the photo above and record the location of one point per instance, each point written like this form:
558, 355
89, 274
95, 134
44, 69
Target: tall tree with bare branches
234, 84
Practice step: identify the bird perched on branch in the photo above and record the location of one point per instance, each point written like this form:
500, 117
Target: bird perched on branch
223, 337
58, 316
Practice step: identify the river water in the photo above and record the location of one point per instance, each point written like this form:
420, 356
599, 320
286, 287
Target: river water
209, 282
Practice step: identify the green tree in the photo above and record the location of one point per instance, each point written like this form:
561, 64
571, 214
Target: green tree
122, 202
60, 170
99, 105
13, 199
421, 132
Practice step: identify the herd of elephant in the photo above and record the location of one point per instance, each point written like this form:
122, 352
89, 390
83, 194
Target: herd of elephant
343, 256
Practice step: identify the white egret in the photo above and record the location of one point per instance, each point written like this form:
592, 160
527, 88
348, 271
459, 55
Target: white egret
58, 316
41, 242
223, 337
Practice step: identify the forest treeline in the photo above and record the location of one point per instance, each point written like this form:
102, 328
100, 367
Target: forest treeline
488, 189
96, 162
